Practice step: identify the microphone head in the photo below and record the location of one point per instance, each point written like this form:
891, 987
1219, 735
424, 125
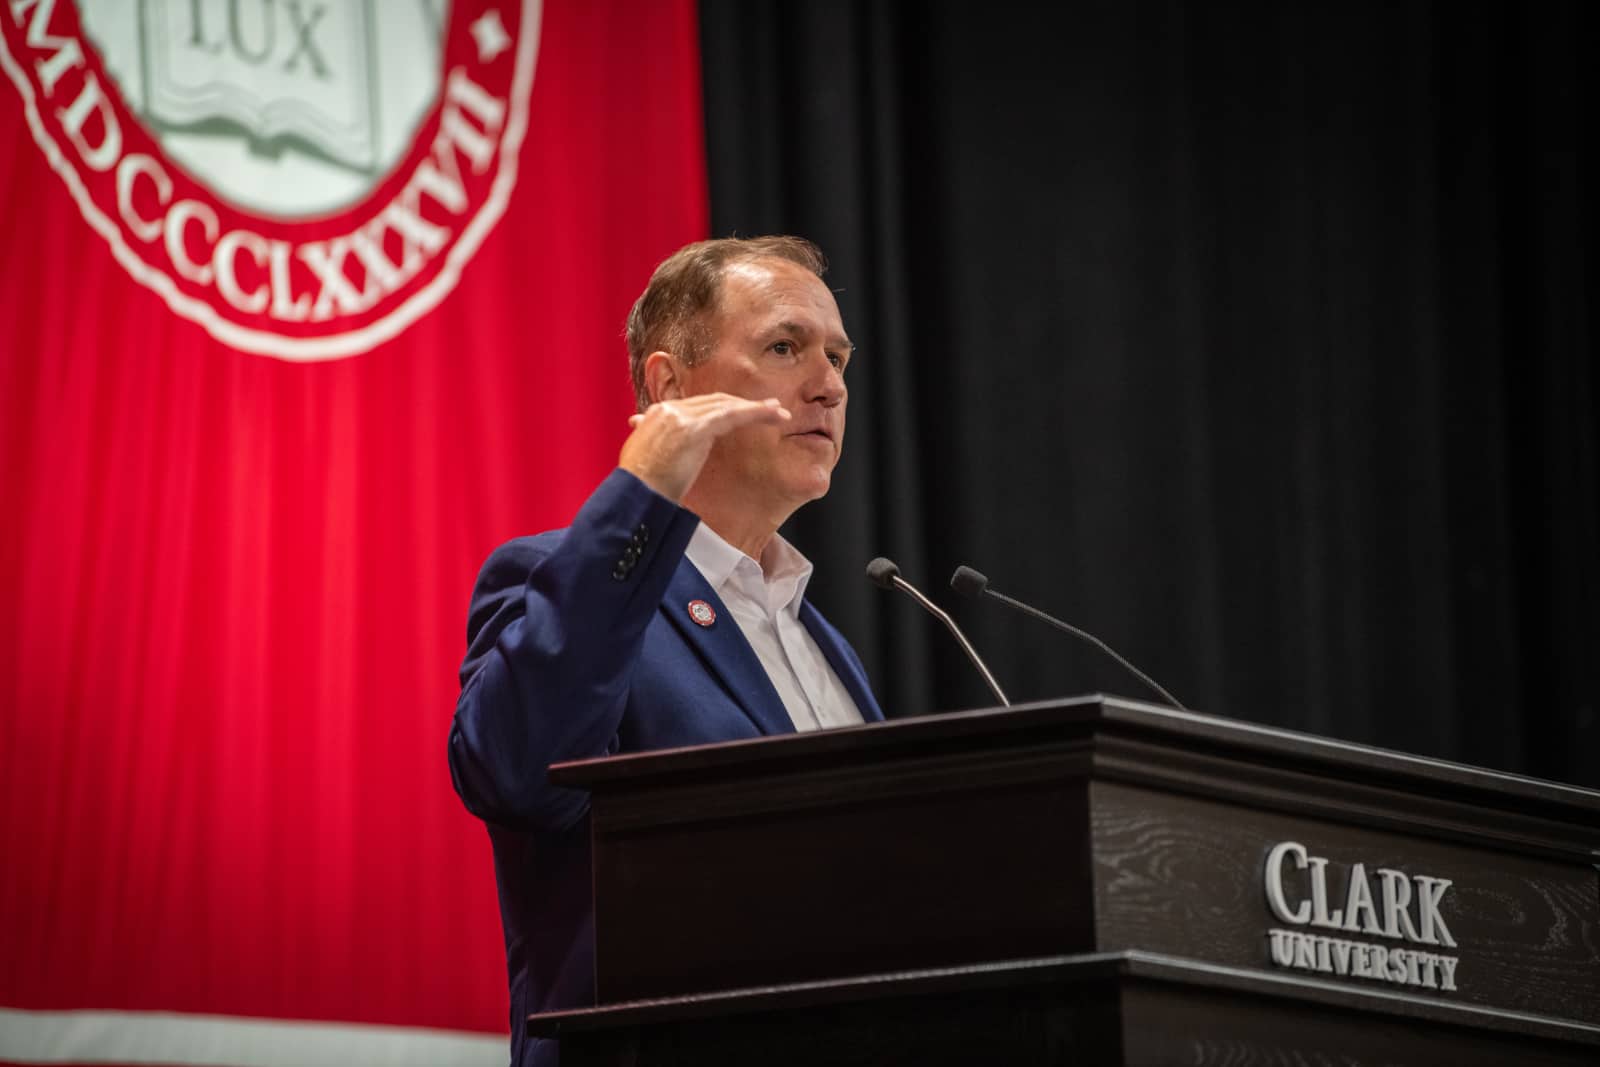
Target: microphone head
968, 582
882, 573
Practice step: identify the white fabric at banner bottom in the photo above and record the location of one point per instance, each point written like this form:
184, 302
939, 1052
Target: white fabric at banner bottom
230, 1041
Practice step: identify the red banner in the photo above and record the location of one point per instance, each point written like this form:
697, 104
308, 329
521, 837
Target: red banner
304, 311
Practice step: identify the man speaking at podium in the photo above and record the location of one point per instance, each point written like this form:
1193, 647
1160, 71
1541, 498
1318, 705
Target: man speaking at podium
670, 612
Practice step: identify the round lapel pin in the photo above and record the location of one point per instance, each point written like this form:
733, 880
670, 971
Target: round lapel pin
701, 612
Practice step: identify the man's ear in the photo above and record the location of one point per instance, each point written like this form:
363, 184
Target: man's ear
663, 377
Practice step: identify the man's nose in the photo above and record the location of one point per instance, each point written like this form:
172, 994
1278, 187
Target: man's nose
828, 387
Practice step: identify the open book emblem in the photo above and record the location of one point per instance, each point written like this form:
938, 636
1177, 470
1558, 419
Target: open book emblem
281, 75
289, 107
304, 178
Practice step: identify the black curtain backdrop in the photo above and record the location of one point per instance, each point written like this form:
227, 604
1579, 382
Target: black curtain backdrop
1255, 339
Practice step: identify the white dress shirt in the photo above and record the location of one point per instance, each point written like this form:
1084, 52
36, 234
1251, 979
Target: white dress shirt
764, 599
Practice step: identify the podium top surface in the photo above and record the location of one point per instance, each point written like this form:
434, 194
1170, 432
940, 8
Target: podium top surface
1086, 721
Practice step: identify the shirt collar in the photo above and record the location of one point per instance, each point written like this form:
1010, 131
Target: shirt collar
781, 576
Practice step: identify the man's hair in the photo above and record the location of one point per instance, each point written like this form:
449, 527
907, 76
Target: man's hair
670, 315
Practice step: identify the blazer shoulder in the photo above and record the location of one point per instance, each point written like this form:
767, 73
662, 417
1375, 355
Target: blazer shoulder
621, 506
502, 578
510, 562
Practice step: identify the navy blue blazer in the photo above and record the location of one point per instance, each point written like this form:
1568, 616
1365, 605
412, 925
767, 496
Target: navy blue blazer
580, 644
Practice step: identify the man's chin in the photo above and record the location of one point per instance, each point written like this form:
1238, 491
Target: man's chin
803, 490
817, 488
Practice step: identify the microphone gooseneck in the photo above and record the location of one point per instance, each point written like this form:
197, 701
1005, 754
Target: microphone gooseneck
885, 575
969, 582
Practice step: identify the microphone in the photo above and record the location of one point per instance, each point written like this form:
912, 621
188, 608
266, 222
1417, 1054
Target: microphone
885, 575
969, 582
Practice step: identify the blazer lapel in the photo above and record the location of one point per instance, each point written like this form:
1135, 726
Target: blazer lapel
843, 665
723, 647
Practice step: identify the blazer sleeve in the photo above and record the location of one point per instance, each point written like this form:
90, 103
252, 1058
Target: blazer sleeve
556, 624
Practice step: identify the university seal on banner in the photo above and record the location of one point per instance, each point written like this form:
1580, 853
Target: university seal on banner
303, 178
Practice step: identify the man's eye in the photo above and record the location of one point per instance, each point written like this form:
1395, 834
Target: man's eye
783, 348
836, 359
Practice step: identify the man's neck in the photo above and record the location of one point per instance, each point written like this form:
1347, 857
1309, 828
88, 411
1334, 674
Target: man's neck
748, 531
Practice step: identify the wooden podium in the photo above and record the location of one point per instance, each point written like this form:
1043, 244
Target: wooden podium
1087, 881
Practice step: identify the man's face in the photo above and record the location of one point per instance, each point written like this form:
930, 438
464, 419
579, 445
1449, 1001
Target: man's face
776, 333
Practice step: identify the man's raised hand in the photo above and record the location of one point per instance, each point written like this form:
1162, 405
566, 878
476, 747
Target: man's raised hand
672, 438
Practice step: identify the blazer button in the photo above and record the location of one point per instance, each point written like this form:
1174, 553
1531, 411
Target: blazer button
619, 572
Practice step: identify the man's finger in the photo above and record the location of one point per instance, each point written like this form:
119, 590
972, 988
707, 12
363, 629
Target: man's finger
704, 402
712, 409
745, 413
